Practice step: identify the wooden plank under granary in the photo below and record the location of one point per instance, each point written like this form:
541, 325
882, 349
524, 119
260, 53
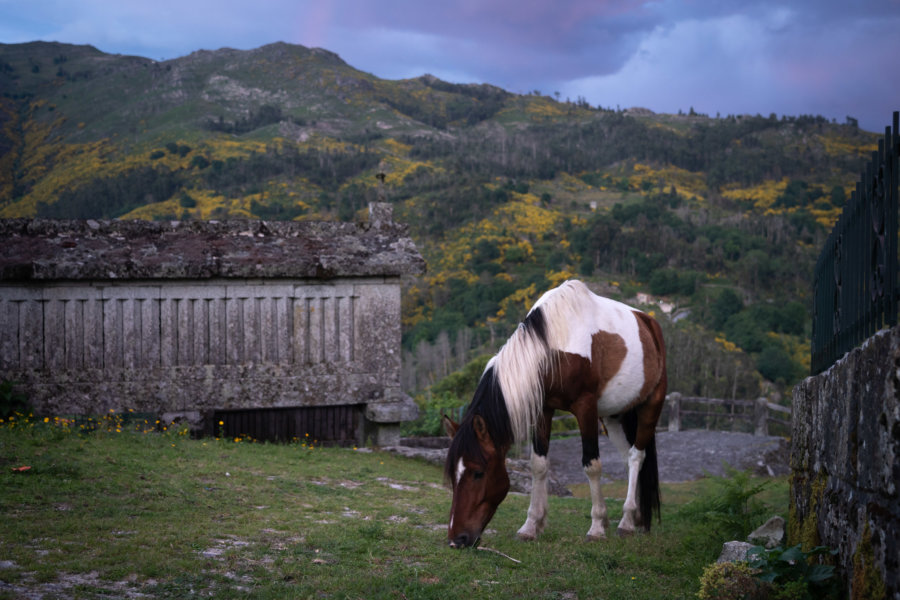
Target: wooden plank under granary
326, 425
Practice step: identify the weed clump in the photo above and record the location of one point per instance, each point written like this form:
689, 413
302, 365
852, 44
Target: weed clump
731, 581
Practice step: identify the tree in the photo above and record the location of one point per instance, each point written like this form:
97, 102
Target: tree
726, 304
838, 196
775, 364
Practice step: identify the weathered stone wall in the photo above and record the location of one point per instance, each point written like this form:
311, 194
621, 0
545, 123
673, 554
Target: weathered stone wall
192, 317
169, 346
845, 459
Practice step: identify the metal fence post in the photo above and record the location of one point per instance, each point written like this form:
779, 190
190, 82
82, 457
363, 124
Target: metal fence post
856, 289
891, 234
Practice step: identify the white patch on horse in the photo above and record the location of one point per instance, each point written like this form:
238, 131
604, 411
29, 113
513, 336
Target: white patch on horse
574, 316
622, 390
460, 469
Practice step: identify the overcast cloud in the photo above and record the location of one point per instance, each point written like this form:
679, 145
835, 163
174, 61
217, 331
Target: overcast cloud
829, 57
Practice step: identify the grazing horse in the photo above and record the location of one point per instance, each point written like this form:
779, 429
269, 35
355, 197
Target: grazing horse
578, 352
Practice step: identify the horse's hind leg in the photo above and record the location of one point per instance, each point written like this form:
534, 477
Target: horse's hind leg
634, 458
540, 469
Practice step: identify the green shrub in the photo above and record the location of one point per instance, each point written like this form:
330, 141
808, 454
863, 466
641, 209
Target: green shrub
793, 573
730, 581
431, 413
187, 201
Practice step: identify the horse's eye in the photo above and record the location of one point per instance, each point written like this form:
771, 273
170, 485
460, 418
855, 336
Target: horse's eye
478, 474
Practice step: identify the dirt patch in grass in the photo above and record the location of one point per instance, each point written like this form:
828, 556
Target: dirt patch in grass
72, 585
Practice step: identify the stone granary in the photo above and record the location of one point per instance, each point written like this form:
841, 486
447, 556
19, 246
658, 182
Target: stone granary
270, 329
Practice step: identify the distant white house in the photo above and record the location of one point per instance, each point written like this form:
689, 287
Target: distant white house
646, 300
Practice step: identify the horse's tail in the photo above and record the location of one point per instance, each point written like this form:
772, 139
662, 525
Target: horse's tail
648, 480
648, 477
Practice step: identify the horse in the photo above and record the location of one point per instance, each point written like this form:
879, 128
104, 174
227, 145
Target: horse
578, 352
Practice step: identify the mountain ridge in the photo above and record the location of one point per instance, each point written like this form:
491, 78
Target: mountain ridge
506, 194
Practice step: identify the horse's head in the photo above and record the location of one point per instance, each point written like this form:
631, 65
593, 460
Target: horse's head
476, 469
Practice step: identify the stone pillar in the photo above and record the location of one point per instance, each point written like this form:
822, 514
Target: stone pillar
674, 401
383, 419
761, 416
380, 213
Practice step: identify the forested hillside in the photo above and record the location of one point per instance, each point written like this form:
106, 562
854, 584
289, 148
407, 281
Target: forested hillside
506, 195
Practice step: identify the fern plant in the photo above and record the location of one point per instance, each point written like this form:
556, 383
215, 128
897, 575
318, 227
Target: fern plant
732, 510
793, 572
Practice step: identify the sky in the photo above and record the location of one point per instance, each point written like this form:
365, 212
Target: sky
834, 58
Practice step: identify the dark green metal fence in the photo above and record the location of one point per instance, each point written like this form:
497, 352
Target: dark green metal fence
856, 275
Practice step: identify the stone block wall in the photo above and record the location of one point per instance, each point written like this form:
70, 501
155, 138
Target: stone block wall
845, 458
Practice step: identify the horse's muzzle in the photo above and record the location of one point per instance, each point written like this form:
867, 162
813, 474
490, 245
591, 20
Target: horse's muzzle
464, 540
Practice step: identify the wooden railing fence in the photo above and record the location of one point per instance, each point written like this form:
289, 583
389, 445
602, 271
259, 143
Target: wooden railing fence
690, 412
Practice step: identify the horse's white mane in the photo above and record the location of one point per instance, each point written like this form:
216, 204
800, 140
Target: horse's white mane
524, 359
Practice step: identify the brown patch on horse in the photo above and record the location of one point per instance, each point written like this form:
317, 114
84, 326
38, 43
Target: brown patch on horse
653, 392
654, 354
576, 380
608, 352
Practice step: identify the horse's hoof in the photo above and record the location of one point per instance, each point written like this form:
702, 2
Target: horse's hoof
623, 533
526, 537
595, 538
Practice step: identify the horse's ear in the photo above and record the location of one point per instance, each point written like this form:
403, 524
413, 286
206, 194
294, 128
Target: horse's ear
482, 433
450, 426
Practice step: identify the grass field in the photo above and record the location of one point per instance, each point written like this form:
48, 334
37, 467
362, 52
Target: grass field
122, 513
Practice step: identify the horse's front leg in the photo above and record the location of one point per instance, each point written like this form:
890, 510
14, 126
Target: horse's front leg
590, 459
540, 469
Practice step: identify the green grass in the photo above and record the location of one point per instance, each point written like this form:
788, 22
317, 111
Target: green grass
105, 514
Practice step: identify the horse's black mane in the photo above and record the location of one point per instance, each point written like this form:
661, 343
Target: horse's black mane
535, 323
489, 403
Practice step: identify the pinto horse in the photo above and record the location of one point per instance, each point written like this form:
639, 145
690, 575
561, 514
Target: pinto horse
578, 352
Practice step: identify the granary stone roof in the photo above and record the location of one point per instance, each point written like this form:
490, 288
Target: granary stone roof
45, 250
